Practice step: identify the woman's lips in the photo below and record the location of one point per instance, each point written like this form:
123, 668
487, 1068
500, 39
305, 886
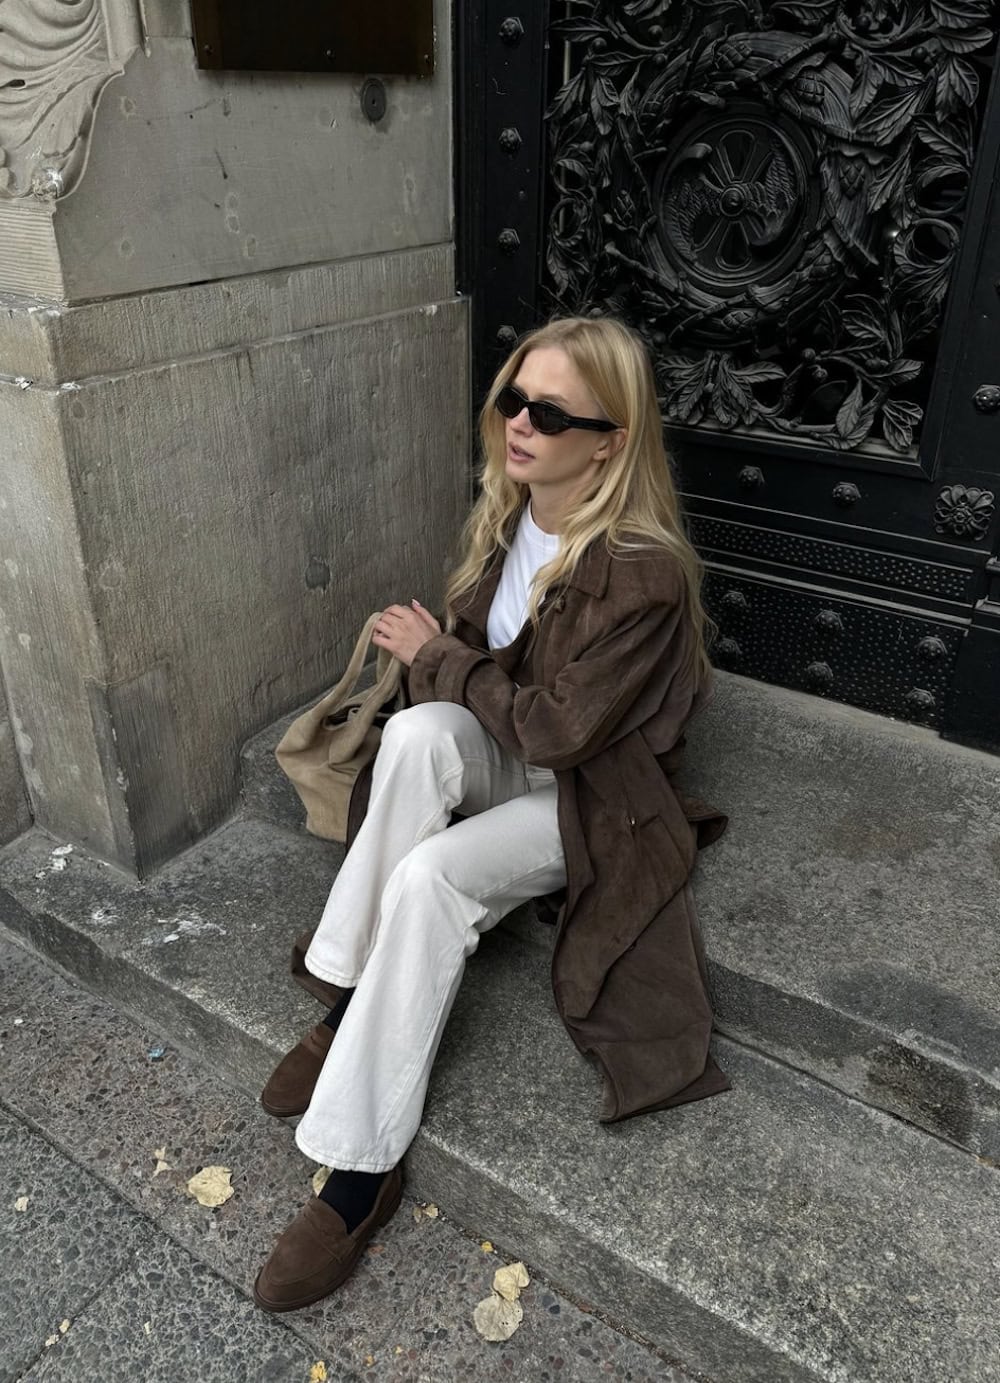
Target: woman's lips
518, 453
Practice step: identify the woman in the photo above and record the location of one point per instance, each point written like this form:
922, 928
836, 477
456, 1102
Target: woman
547, 715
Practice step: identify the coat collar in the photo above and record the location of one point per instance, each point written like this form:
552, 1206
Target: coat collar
591, 574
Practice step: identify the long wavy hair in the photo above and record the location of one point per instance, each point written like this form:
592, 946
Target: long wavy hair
632, 502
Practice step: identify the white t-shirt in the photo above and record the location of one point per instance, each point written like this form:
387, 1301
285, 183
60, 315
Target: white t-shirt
531, 549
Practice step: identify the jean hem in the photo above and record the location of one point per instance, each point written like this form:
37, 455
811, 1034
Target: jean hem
342, 1164
329, 976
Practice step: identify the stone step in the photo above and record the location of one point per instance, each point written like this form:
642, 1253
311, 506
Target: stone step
852, 912
780, 1232
264, 790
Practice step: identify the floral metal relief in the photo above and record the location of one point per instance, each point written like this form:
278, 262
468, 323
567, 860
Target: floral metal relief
773, 193
964, 512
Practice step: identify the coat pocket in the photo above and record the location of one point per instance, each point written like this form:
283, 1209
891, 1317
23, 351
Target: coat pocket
659, 854
643, 874
662, 837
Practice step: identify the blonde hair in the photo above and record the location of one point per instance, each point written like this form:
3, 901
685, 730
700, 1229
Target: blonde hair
632, 502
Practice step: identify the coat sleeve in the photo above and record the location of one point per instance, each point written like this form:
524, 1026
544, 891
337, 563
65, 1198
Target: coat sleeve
566, 724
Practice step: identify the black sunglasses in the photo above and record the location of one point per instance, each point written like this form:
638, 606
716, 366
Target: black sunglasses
545, 417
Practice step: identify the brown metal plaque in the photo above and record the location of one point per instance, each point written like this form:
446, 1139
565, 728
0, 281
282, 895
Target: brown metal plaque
395, 37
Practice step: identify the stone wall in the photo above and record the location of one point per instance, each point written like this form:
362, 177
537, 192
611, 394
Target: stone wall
14, 815
197, 537
238, 425
185, 174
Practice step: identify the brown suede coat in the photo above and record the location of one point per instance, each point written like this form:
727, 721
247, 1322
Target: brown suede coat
600, 696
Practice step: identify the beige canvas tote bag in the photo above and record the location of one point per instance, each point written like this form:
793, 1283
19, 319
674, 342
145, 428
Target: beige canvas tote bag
326, 747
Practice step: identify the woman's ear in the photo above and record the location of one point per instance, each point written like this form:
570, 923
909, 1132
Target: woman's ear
611, 444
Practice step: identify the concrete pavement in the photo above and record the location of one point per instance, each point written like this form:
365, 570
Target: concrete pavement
111, 1272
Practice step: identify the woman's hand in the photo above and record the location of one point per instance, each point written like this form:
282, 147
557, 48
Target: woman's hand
404, 629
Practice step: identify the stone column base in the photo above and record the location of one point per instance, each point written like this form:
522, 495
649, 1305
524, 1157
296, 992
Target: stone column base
205, 490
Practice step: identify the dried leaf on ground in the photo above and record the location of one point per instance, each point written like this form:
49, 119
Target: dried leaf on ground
497, 1319
427, 1211
509, 1280
319, 1178
22, 1202
161, 1165
317, 1374
211, 1186
63, 1327
486, 1246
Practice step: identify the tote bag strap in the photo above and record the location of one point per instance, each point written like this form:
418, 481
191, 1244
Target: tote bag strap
348, 737
348, 683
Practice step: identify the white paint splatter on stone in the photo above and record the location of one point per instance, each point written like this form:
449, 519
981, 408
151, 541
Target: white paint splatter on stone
188, 924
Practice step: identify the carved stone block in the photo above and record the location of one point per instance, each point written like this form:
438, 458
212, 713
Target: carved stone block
56, 57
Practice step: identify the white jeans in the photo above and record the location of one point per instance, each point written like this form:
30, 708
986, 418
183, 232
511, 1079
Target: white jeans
405, 911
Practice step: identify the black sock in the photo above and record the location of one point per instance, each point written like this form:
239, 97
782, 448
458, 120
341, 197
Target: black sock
352, 1194
332, 1019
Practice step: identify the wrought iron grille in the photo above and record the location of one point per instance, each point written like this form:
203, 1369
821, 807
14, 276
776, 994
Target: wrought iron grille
772, 192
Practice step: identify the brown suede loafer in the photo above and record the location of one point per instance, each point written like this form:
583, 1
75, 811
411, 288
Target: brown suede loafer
316, 1254
293, 1080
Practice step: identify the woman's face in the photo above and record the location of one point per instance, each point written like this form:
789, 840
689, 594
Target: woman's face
555, 466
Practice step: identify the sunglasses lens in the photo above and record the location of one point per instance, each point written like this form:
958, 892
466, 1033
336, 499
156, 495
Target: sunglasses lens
547, 418
509, 402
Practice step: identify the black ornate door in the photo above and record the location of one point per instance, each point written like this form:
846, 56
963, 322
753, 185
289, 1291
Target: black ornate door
794, 203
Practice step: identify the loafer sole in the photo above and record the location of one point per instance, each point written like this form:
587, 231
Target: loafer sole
277, 1113
388, 1210
309, 1050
